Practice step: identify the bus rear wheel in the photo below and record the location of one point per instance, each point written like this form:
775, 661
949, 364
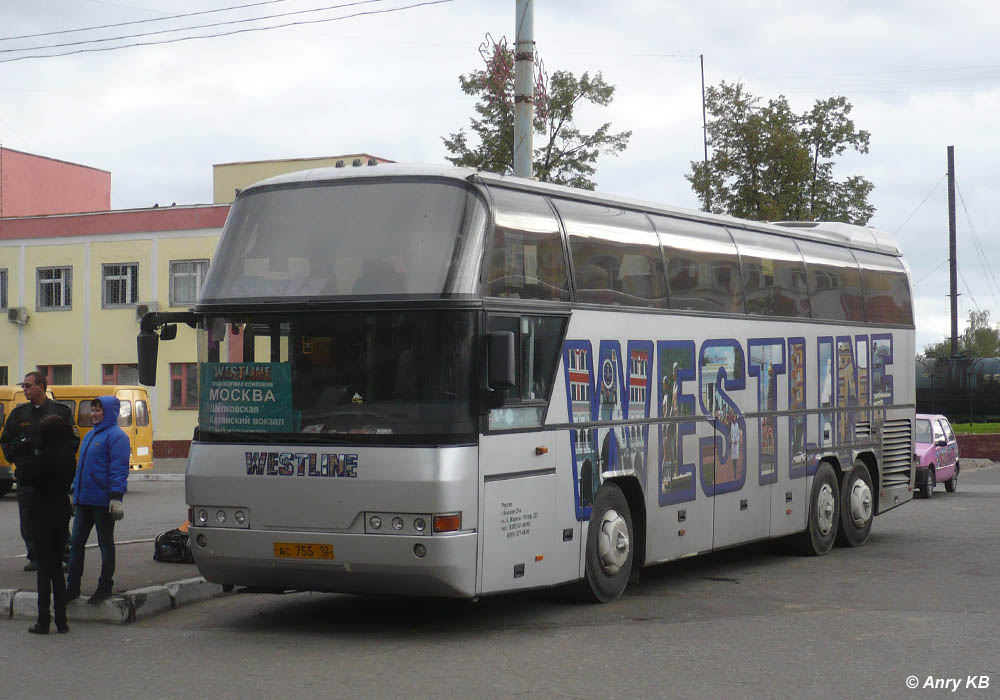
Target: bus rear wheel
609, 545
824, 513
857, 507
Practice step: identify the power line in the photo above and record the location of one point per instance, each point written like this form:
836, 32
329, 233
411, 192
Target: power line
968, 291
920, 205
983, 259
184, 29
936, 268
139, 21
220, 34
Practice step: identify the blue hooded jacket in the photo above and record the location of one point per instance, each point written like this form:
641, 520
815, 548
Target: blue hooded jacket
102, 471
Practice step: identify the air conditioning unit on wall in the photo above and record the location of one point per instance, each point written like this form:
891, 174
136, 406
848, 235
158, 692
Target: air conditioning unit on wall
17, 314
144, 307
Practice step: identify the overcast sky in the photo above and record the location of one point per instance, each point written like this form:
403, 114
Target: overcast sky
922, 75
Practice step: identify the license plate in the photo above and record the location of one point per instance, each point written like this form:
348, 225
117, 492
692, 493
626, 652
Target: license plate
298, 550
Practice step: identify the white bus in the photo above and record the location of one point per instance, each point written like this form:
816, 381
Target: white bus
437, 381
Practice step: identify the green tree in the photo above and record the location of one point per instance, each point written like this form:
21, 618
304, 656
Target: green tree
770, 164
567, 155
979, 339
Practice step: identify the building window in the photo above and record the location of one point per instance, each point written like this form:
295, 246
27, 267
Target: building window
54, 288
186, 277
121, 284
4, 380
120, 374
3, 291
183, 385
57, 374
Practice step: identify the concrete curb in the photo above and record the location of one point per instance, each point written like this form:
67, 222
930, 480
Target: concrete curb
118, 609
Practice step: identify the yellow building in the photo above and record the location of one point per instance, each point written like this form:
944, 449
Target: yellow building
73, 288
229, 178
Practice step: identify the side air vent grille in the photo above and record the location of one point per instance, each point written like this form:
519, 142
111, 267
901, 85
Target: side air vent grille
897, 453
862, 431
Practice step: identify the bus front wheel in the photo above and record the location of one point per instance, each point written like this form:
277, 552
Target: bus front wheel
824, 513
609, 545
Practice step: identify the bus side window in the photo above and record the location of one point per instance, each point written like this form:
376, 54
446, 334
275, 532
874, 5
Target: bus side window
538, 340
616, 257
526, 260
887, 292
774, 275
703, 270
834, 282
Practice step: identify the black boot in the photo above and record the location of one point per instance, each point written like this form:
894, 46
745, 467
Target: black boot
100, 595
39, 628
62, 627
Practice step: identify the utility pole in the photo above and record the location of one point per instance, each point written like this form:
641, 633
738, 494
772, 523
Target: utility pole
704, 133
952, 261
524, 67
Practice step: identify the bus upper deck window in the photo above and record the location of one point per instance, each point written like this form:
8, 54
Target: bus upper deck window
526, 260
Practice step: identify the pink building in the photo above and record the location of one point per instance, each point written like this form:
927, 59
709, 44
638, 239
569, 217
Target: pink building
33, 185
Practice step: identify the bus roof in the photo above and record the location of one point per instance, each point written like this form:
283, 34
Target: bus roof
851, 235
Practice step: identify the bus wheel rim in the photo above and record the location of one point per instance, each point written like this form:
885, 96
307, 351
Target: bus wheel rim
825, 505
861, 503
613, 542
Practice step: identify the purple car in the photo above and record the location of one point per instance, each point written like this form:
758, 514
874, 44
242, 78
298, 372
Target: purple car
937, 450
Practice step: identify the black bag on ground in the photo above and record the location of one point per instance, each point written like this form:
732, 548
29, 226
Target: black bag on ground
173, 546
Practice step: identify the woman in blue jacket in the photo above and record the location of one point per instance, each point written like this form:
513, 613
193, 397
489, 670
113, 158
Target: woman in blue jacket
100, 484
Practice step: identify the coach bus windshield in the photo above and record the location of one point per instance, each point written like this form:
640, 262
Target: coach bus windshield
375, 377
379, 237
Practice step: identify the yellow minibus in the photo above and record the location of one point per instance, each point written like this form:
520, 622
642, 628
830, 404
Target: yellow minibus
133, 417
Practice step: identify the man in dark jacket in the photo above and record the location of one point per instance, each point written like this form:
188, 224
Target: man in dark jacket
50, 477
100, 484
21, 438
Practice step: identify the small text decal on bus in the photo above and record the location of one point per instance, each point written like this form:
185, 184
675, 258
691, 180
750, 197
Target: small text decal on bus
301, 464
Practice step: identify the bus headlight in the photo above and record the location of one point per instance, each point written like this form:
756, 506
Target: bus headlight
224, 516
396, 523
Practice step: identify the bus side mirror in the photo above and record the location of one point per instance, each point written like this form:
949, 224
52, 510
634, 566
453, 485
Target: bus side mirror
147, 344
501, 360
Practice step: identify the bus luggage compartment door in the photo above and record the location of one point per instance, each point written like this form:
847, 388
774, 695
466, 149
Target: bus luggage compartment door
517, 538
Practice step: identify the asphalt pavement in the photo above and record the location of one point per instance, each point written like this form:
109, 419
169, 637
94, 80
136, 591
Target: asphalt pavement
142, 586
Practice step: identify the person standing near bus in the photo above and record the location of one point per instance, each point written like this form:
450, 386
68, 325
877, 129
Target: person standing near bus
49, 478
100, 484
20, 440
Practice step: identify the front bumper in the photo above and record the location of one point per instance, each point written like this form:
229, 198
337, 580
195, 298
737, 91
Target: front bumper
363, 563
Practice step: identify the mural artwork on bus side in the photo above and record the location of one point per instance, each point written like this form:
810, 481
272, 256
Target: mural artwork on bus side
704, 384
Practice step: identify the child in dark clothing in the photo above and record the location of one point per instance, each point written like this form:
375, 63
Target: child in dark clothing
51, 475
